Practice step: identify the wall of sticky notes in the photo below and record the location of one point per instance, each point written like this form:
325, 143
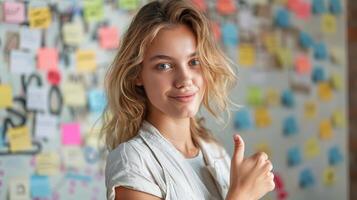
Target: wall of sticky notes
291, 67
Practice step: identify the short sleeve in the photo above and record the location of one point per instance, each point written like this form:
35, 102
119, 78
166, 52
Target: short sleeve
126, 167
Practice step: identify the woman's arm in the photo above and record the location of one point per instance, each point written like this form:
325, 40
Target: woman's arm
122, 193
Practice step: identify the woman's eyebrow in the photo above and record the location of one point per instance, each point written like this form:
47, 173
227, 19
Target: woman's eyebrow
166, 57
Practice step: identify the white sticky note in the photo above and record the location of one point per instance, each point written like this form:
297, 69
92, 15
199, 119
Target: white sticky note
46, 126
73, 157
30, 38
19, 188
22, 62
37, 98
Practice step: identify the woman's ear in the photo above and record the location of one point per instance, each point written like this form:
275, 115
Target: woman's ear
138, 81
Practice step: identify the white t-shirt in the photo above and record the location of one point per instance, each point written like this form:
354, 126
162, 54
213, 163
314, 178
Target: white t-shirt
150, 163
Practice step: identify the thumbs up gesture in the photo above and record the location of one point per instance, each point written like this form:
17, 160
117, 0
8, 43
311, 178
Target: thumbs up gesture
251, 178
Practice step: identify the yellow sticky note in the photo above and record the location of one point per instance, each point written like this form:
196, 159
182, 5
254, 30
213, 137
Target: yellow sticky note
284, 57
310, 109
6, 96
329, 176
246, 55
262, 117
337, 55
271, 42
39, 17
338, 119
328, 23
86, 60
73, 33
336, 81
325, 130
93, 10
324, 91
47, 164
311, 148
263, 147
128, 4
73, 157
273, 97
74, 94
19, 139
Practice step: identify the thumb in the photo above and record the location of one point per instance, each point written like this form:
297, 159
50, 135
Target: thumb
238, 153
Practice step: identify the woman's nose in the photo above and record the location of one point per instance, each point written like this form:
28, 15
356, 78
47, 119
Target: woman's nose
183, 77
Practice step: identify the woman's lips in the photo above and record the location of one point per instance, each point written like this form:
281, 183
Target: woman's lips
184, 98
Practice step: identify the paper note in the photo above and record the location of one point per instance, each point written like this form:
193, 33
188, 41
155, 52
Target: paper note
271, 42
320, 51
46, 126
302, 64
337, 55
305, 40
22, 62
328, 24
97, 100
329, 176
310, 109
108, 37
247, 21
19, 139
325, 130
246, 55
73, 94
71, 134
288, 98
47, 59
230, 34
303, 11
254, 96
200, 4
216, 30
30, 38
338, 119
73, 33
243, 119
324, 91
335, 6
282, 18
334, 155
73, 157
294, 156
86, 60
272, 97
37, 98
290, 126
262, 117
14, 12
19, 188
93, 10
47, 164
318, 74
128, 4
264, 147
306, 178
284, 57
40, 186
226, 7
39, 17
336, 81
311, 148
318, 6
6, 96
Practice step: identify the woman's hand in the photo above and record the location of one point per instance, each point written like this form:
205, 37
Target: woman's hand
251, 178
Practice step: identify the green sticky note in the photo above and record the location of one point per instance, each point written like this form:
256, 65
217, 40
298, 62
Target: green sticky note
93, 10
255, 96
128, 4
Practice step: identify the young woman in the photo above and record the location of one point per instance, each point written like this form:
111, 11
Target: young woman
167, 66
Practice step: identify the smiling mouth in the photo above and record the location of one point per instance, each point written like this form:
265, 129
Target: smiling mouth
185, 98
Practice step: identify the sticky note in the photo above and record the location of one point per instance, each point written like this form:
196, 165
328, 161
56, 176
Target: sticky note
73, 94
329, 176
337, 55
216, 30
320, 51
93, 10
290, 126
86, 60
287, 98
40, 187
247, 20
19, 139
47, 164
6, 96
39, 17
53, 77
108, 37
318, 74
272, 97
324, 91
264, 147
334, 155
318, 6
97, 100
311, 148
306, 178
305, 40
282, 18
30, 38
200, 4
294, 156
254, 96
335, 6
91, 154
246, 55
73, 33
19, 188
328, 24
230, 34
71, 133
284, 57
293, 4
303, 11
46, 126
22, 62
226, 7
14, 12
338, 119
243, 119
302, 64
47, 59
310, 109
325, 129
262, 117
271, 42
128, 4
336, 81
37, 98
73, 157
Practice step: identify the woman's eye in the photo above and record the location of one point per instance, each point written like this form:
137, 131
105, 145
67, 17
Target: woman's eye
163, 66
194, 62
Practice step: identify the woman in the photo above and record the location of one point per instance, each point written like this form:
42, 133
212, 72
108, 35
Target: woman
168, 65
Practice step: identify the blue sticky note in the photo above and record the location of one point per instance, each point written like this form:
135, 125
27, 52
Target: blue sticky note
97, 100
230, 34
306, 178
290, 126
305, 40
243, 119
40, 186
334, 156
91, 155
318, 6
282, 18
318, 74
320, 51
335, 6
287, 98
294, 156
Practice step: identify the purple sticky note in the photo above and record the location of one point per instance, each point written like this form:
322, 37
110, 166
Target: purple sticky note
71, 133
14, 12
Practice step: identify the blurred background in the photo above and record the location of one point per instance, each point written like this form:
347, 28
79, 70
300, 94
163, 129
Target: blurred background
294, 61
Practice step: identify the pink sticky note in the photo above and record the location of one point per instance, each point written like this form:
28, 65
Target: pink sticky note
14, 12
108, 37
302, 64
293, 5
71, 134
304, 10
226, 7
47, 59
216, 30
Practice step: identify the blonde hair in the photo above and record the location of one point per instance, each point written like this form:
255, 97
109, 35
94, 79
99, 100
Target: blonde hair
127, 103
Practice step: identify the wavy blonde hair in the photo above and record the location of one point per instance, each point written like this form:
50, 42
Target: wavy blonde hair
127, 103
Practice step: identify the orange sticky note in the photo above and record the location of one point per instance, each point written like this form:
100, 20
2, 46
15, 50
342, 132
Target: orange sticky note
108, 37
303, 64
39, 17
6, 96
47, 59
226, 7
324, 91
14, 12
19, 139
325, 130
86, 60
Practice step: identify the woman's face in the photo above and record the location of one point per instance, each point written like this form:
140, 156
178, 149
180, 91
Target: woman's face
171, 74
